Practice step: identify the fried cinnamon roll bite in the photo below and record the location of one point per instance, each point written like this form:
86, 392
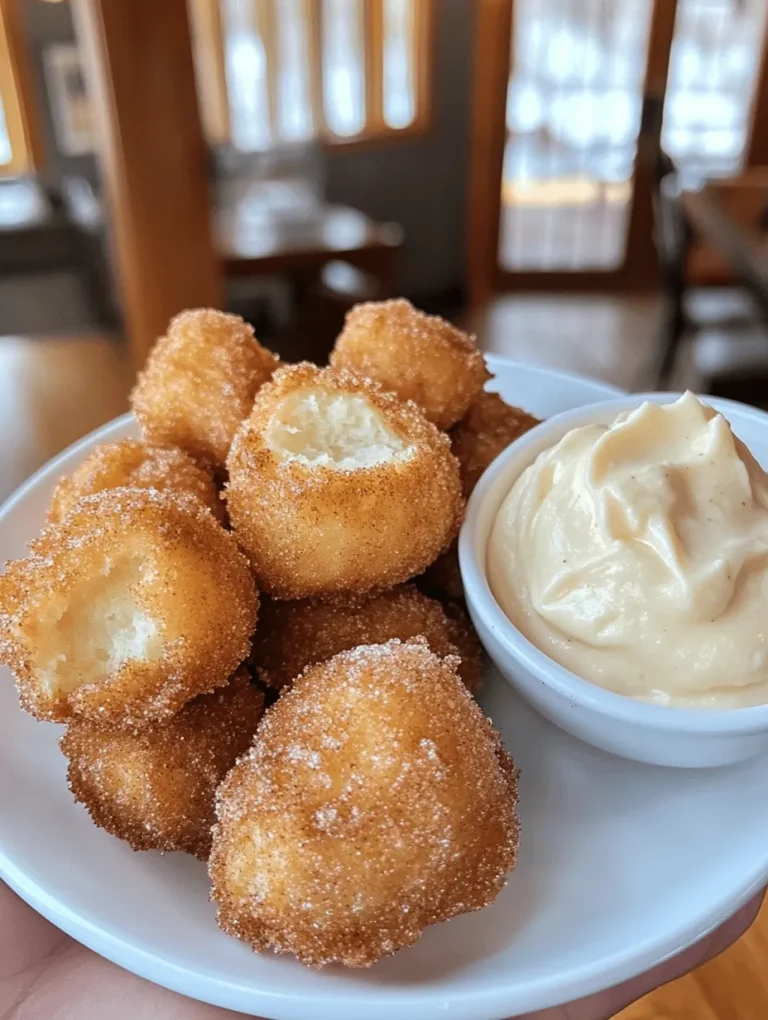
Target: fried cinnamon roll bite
132, 605
131, 463
156, 788
338, 488
294, 635
488, 427
199, 383
419, 357
376, 800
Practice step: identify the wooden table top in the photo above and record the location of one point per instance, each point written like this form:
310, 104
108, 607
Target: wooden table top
250, 236
271, 226
23, 206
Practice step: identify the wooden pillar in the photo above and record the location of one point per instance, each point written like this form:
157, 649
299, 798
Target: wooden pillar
488, 135
138, 65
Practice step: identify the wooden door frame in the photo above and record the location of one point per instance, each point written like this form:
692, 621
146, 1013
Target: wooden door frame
493, 33
757, 145
493, 43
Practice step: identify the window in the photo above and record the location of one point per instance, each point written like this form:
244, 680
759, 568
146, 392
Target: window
17, 143
574, 99
714, 71
282, 71
269, 72
573, 113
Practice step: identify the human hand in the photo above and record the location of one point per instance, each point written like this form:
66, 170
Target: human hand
44, 974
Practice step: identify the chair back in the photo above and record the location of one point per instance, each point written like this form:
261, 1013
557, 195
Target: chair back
670, 230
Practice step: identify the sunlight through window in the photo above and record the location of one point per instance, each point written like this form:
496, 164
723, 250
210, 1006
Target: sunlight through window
343, 68
294, 101
246, 77
399, 83
5, 142
713, 73
336, 70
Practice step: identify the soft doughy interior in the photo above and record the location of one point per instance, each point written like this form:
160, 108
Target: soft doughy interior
338, 430
95, 629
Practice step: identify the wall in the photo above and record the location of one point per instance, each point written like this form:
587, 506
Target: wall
422, 184
48, 23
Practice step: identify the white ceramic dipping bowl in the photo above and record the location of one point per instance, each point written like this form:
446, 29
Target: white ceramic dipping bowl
657, 734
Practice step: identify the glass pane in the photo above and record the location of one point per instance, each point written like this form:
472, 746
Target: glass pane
399, 52
343, 66
246, 77
713, 73
573, 115
294, 109
5, 142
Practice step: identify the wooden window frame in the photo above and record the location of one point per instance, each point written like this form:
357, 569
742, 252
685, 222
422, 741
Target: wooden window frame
18, 96
207, 35
376, 131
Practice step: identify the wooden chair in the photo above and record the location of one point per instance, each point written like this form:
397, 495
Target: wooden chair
704, 304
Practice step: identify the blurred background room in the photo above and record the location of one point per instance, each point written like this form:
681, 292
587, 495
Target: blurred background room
582, 183
577, 181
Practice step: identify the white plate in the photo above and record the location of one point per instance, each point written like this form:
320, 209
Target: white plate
621, 864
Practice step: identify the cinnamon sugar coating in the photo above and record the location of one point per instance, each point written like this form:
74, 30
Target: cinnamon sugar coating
132, 605
156, 788
134, 464
199, 383
376, 800
417, 356
338, 488
487, 429
294, 635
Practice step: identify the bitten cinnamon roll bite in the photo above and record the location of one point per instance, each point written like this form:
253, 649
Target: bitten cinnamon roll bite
338, 488
132, 605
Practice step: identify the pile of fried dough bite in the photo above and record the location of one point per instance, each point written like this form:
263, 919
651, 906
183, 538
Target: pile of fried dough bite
250, 621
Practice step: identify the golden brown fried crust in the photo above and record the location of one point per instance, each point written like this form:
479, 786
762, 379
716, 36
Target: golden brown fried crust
314, 530
199, 383
376, 800
133, 464
156, 788
442, 579
484, 432
419, 357
162, 556
462, 634
294, 635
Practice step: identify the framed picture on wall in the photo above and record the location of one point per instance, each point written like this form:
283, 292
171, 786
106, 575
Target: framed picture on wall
68, 99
